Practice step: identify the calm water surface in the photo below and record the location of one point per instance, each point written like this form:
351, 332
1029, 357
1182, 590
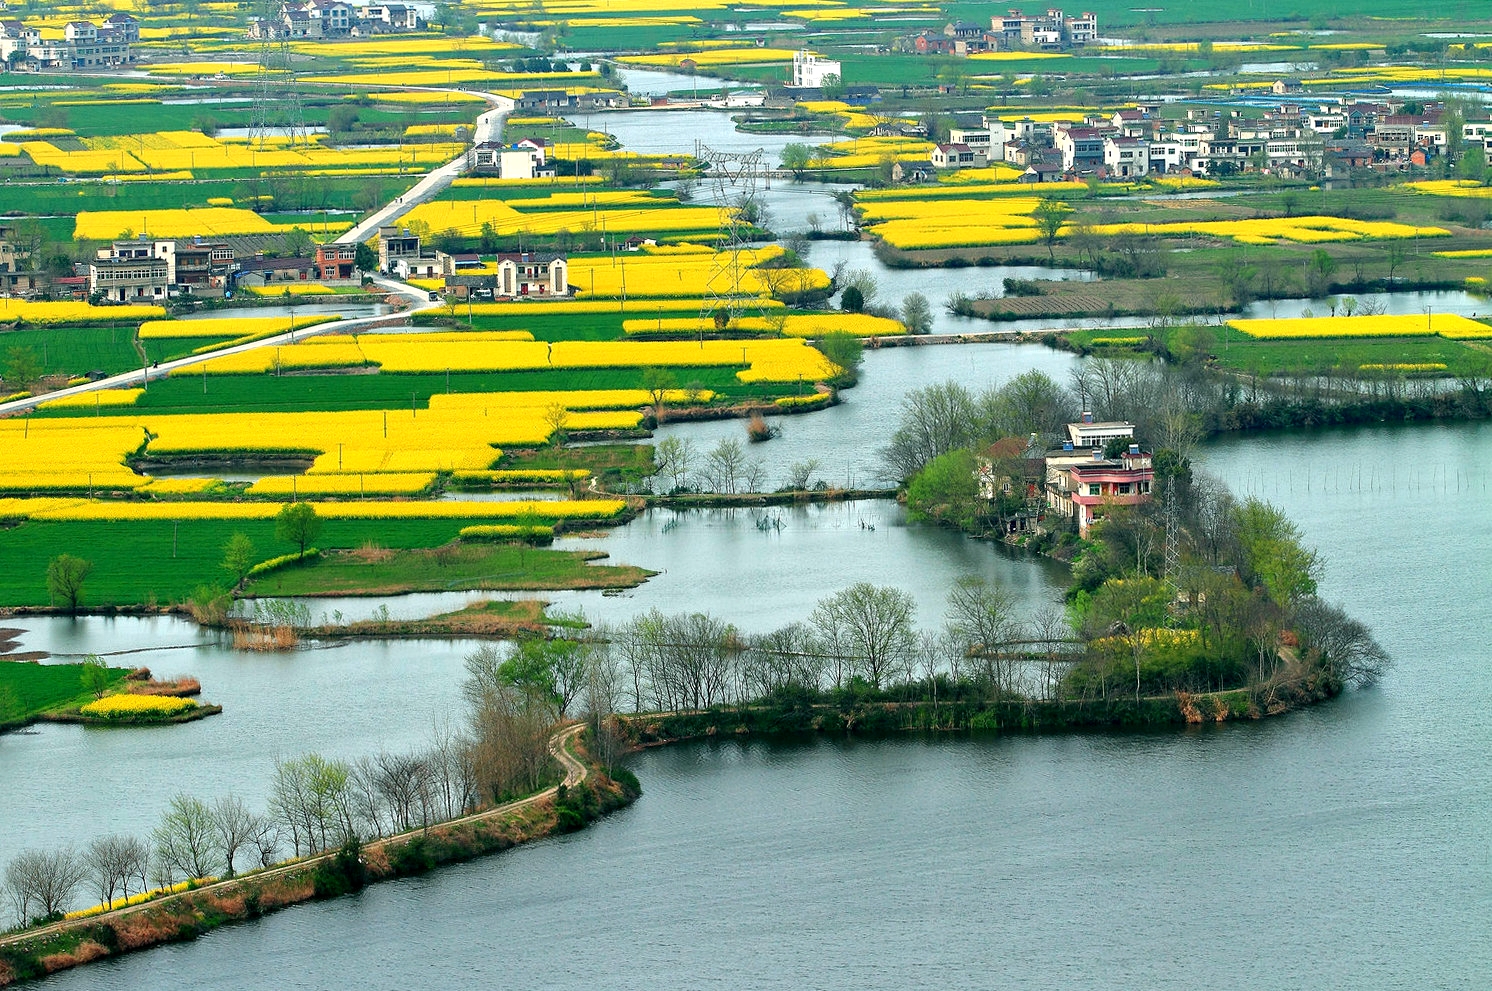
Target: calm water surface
1346, 847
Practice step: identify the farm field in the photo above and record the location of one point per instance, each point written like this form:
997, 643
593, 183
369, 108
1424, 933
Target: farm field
28, 688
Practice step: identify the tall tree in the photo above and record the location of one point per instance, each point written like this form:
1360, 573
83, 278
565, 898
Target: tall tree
873, 625
297, 523
65, 577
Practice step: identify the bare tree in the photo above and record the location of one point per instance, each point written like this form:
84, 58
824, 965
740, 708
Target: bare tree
186, 844
42, 882
107, 860
233, 826
510, 726
137, 857
1345, 645
725, 466
873, 624
675, 457
982, 622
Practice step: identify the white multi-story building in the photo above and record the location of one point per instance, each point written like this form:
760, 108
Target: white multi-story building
84, 45
812, 71
1125, 158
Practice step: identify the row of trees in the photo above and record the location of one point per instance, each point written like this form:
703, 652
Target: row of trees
862, 638
316, 804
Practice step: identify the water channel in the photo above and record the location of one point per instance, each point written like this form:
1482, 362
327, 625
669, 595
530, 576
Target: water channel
1345, 847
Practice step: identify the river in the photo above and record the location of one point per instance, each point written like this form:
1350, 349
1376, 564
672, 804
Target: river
1341, 847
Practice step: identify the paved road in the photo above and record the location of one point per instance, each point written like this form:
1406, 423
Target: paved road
420, 300
489, 128
559, 746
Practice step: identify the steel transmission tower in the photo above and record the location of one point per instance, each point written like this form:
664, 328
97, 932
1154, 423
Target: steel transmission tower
1173, 537
277, 103
733, 177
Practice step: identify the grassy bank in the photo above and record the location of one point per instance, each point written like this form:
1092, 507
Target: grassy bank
187, 915
450, 568
1017, 715
28, 689
151, 564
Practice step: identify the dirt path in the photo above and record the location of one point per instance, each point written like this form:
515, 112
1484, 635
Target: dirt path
559, 747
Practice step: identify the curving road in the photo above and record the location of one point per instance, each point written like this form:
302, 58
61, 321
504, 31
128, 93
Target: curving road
488, 128
559, 746
420, 300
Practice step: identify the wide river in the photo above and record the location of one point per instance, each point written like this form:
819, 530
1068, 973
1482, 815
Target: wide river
1344, 847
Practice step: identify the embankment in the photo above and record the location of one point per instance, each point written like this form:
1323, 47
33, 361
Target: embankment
883, 717
585, 795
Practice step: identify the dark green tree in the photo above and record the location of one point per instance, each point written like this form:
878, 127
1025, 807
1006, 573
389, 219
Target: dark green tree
297, 523
65, 577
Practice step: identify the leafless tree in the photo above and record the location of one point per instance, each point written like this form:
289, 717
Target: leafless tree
509, 726
234, 827
186, 843
675, 458
42, 882
725, 466
982, 622
108, 863
873, 624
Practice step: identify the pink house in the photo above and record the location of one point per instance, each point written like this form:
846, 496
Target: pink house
1095, 484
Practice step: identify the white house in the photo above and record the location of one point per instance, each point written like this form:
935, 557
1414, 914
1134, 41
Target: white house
1126, 158
811, 71
532, 273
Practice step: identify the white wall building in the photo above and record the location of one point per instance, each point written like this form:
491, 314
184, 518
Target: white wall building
810, 70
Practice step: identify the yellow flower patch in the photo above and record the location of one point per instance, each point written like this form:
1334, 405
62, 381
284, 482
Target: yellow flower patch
1449, 325
128, 706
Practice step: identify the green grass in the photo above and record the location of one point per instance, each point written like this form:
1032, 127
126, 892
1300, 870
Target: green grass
1239, 352
39, 687
76, 350
1347, 355
598, 458
246, 393
161, 562
455, 568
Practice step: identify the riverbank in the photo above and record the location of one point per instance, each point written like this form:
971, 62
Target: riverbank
585, 794
881, 718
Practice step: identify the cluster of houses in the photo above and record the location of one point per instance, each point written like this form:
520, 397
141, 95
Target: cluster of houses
1076, 482
84, 45
146, 269
526, 159
1052, 31
1290, 140
516, 274
335, 19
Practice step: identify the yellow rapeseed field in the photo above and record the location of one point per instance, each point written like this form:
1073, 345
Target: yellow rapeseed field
59, 313
80, 510
227, 326
1450, 325
130, 706
745, 55
783, 360
95, 398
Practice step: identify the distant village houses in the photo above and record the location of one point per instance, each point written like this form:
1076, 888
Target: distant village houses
84, 45
1051, 31
1324, 137
298, 19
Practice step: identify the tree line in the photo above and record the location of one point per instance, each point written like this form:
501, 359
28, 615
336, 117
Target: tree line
513, 695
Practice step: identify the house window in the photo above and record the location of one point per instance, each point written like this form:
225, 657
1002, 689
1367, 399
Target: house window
1124, 488
1144, 488
1094, 488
